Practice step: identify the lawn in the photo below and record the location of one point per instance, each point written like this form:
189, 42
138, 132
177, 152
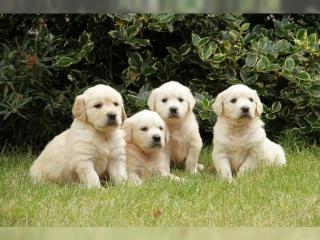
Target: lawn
267, 197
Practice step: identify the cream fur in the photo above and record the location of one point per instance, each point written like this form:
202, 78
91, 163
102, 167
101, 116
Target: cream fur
92, 147
240, 142
185, 141
144, 157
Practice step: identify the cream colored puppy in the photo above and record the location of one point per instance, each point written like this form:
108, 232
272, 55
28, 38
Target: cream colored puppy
240, 142
93, 146
147, 150
174, 103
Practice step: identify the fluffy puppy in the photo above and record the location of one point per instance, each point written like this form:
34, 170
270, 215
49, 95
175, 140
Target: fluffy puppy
147, 153
93, 146
240, 142
174, 103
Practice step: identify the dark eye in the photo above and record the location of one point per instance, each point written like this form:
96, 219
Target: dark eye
116, 104
99, 105
161, 128
233, 100
251, 99
144, 129
164, 100
180, 99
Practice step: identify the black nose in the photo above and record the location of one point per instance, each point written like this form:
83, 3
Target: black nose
156, 138
245, 109
112, 116
173, 109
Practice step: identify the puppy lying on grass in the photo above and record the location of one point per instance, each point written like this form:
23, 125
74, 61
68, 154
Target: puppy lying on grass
240, 142
93, 146
174, 103
147, 151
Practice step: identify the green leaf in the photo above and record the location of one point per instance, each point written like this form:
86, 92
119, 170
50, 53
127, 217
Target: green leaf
132, 31
219, 57
203, 41
195, 39
64, 62
251, 59
116, 34
289, 64
263, 63
303, 75
302, 35
148, 70
206, 51
185, 49
245, 26
276, 107
135, 60
172, 50
165, 18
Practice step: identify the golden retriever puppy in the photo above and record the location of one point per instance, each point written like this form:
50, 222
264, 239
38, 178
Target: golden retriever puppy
93, 146
174, 103
240, 142
147, 150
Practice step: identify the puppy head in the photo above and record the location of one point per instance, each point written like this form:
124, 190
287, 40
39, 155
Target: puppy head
101, 106
147, 130
172, 101
238, 102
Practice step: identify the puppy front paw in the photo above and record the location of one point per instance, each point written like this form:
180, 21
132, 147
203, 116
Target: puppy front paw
176, 178
200, 167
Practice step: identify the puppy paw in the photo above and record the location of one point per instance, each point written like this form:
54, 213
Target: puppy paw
176, 178
200, 167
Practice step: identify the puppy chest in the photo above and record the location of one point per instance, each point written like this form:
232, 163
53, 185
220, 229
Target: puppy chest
178, 150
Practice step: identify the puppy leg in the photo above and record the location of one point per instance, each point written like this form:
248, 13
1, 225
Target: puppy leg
192, 158
165, 173
249, 164
117, 167
87, 175
133, 178
223, 167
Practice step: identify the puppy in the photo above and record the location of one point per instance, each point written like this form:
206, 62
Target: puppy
174, 103
240, 142
147, 153
93, 146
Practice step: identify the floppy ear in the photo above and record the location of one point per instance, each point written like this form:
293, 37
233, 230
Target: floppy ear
79, 108
191, 100
127, 128
259, 106
152, 99
167, 134
218, 104
123, 113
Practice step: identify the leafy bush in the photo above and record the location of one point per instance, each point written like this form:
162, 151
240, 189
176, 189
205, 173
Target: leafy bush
46, 60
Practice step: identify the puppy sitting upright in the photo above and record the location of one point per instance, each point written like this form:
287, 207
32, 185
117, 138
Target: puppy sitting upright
174, 103
240, 142
92, 146
147, 138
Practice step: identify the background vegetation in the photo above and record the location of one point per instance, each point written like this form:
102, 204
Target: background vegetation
46, 60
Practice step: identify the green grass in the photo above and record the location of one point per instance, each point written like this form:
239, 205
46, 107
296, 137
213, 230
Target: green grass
267, 197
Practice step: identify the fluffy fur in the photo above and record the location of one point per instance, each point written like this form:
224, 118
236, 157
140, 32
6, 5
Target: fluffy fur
240, 142
93, 146
174, 103
147, 146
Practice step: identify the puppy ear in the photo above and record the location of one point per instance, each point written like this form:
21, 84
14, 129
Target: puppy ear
152, 100
218, 104
123, 113
191, 100
259, 106
79, 108
167, 134
127, 128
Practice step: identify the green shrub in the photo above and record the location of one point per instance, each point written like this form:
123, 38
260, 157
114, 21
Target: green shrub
46, 60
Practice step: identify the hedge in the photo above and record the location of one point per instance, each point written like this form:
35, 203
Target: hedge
46, 60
